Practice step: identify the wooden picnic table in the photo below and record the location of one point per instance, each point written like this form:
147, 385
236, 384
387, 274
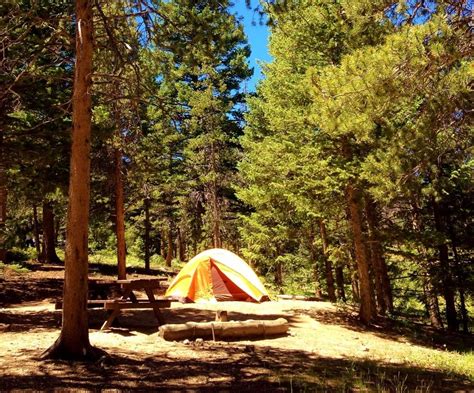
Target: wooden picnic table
129, 300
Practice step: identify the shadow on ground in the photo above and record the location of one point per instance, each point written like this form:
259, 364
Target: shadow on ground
142, 321
229, 367
28, 321
19, 289
397, 330
29, 289
218, 366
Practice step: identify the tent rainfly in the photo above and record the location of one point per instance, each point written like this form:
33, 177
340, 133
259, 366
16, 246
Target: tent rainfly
217, 275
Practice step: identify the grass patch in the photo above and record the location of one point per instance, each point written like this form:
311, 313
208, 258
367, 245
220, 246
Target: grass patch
450, 362
109, 258
13, 267
371, 376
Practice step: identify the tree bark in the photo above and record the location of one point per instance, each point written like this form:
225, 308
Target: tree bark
327, 262
120, 216
279, 275
181, 246
432, 304
163, 243
146, 204
314, 261
169, 251
158, 244
73, 342
447, 284
445, 270
49, 250
464, 313
224, 330
354, 276
382, 282
3, 201
341, 294
367, 311
57, 228
216, 230
461, 286
36, 231
430, 294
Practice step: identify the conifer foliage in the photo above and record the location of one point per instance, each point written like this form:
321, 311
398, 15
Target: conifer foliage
363, 123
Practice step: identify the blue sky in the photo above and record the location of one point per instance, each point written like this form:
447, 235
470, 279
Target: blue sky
257, 36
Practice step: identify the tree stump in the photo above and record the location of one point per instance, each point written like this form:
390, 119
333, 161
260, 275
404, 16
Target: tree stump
221, 316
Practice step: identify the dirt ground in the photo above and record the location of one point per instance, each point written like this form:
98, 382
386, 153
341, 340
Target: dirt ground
326, 349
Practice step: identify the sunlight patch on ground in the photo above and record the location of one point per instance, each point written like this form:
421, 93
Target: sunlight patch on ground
319, 343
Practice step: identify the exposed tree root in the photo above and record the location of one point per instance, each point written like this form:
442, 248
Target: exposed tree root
60, 351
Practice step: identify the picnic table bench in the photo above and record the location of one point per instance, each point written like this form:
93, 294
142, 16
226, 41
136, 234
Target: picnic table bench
129, 300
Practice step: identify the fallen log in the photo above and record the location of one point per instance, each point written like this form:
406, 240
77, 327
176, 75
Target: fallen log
224, 330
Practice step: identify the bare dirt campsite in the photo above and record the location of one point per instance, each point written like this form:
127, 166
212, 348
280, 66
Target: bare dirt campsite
326, 349
236, 195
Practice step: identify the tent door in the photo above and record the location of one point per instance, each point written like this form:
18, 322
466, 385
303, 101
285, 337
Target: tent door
223, 288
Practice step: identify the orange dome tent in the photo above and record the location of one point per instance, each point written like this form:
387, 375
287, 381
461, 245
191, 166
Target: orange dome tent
217, 275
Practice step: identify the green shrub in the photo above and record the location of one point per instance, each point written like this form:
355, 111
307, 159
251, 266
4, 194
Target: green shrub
16, 267
18, 255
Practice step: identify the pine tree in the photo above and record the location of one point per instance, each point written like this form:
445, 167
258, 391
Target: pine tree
36, 83
194, 121
73, 341
351, 110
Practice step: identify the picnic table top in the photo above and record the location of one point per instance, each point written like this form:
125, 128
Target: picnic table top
104, 281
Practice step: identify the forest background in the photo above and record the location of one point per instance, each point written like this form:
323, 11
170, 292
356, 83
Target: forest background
348, 174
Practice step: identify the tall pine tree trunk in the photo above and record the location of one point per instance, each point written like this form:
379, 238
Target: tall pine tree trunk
36, 231
216, 229
279, 275
448, 291
163, 243
367, 311
445, 270
429, 278
120, 216
431, 300
216, 225
464, 314
146, 203
49, 250
169, 243
354, 275
158, 244
57, 228
461, 285
327, 262
73, 342
352, 265
382, 281
181, 246
314, 261
3, 201
341, 294
278, 271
